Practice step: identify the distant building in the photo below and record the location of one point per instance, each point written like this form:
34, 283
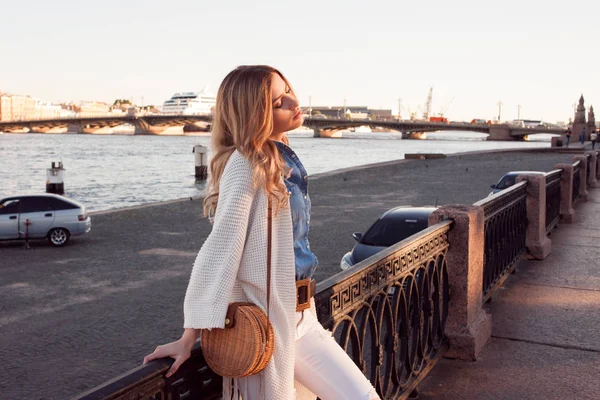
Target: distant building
352, 112
16, 107
47, 110
381, 114
338, 112
93, 109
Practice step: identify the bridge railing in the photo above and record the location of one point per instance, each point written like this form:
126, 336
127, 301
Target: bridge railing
553, 196
194, 380
505, 228
388, 312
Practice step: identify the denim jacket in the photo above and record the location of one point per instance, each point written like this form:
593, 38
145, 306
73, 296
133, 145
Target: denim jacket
296, 182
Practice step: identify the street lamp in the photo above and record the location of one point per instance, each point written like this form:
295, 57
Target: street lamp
499, 110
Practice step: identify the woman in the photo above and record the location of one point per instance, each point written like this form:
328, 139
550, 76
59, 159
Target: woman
252, 161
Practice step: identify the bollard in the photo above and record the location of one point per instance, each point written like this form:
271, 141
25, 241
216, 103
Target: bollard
55, 179
201, 161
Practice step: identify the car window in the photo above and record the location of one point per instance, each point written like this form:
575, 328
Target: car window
388, 232
9, 207
35, 204
59, 204
506, 182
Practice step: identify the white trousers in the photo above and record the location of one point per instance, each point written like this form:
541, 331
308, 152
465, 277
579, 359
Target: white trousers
322, 366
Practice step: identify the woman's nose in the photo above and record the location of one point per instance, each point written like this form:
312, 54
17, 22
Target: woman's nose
294, 103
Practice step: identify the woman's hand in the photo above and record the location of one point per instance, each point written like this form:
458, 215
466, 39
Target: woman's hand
179, 350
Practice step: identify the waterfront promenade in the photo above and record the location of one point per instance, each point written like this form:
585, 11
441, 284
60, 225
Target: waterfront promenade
73, 318
545, 340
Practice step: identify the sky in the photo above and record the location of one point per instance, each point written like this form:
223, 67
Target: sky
540, 55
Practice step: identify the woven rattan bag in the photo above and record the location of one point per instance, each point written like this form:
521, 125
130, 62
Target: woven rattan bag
245, 346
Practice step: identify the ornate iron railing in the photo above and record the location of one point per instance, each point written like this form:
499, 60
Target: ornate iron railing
553, 194
388, 312
576, 182
504, 234
194, 380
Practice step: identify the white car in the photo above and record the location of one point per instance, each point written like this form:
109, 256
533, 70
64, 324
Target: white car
40, 216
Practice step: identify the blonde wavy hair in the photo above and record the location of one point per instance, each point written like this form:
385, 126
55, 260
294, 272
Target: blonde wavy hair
243, 121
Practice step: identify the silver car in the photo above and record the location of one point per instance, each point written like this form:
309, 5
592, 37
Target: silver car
40, 216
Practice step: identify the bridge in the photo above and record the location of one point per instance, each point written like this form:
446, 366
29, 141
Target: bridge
410, 129
172, 124
148, 124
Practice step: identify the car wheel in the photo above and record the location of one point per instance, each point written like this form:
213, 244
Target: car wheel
58, 236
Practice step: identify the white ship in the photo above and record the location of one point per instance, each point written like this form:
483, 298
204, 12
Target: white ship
190, 103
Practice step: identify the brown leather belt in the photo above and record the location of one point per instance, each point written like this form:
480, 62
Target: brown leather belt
305, 290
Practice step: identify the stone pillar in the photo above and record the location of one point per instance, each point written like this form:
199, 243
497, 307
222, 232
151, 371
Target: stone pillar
468, 326
500, 132
331, 133
583, 193
566, 188
596, 171
48, 129
142, 127
74, 128
415, 135
593, 169
96, 130
537, 241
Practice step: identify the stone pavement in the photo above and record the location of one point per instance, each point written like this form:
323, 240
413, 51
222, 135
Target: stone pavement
74, 317
545, 341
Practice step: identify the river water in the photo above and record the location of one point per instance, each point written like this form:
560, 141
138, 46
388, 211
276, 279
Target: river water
112, 171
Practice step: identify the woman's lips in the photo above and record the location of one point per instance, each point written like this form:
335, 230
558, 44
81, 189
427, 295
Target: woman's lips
298, 114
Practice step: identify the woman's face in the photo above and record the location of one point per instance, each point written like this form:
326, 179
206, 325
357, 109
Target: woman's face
286, 109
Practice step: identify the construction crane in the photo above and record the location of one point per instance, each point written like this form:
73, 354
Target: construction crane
443, 110
427, 113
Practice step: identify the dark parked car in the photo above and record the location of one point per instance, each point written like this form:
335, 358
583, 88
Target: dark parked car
390, 228
49, 216
507, 181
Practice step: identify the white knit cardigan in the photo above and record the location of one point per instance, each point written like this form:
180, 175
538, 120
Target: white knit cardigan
231, 266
